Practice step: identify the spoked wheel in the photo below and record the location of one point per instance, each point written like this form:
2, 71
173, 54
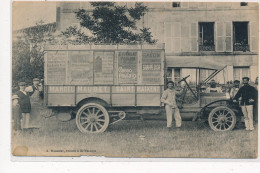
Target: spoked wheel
222, 118
92, 118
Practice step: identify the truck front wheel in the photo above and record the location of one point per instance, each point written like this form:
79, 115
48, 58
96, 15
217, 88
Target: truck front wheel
222, 119
92, 118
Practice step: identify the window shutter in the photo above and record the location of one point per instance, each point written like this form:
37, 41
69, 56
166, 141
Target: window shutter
253, 36
193, 4
185, 37
176, 34
211, 4
219, 37
202, 4
194, 37
184, 4
160, 32
253, 72
228, 34
168, 37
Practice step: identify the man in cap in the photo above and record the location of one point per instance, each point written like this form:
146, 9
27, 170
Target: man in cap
35, 90
36, 101
169, 99
248, 94
234, 89
25, 105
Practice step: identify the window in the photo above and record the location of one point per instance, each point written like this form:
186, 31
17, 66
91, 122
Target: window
177, 74
176, 4
240, 72
169, 74
173, 74
206, 36
240, 30
243, 3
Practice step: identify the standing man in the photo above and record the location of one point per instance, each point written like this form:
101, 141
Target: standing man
248, 94
168, 98
25, 105
35, 91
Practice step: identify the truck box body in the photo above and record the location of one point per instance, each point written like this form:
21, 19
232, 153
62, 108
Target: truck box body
120, 75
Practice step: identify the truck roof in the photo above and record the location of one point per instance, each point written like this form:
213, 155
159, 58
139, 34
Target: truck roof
192, 62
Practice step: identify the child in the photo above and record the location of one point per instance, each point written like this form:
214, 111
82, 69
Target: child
16, 112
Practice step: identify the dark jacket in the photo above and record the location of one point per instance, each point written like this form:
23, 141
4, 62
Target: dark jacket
246, 92
24, 102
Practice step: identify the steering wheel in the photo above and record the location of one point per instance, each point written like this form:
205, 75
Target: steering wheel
183, 79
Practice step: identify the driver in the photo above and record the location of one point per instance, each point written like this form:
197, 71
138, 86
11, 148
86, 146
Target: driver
169, 99
213, 87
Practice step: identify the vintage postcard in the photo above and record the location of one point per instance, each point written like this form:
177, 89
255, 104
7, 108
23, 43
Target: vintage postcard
135, 79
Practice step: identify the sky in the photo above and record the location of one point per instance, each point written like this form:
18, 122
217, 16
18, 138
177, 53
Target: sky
26, 14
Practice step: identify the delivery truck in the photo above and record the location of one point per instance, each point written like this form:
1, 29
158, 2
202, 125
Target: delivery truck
103, 83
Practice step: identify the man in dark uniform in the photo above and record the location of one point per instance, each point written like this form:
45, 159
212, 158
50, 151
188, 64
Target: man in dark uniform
248, 94
25, 105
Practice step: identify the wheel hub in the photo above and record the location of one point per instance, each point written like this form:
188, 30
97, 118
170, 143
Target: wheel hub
222, 119
92, 119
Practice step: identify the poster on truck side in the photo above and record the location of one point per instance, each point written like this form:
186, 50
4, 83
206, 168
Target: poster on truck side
127, 67
56, 67
103, 67
151, 67
80, 67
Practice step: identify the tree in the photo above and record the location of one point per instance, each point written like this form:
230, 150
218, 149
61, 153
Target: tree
110, 23
28, 53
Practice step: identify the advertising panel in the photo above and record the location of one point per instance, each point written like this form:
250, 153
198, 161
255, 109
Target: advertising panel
56, 67
81, 67
127, 67
151, 67
103, 67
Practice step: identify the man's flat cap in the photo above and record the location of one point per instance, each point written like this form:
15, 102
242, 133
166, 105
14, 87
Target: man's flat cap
21, 83
246, 78
36, 79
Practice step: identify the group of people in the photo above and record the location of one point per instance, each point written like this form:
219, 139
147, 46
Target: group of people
26, 102
246, 96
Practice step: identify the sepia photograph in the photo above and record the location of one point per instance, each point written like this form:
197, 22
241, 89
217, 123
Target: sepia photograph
168, 79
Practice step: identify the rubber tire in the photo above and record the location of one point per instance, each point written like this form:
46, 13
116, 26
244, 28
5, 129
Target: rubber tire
106, 115
217, 109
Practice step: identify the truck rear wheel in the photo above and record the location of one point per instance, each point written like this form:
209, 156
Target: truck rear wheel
92, 118
222, 119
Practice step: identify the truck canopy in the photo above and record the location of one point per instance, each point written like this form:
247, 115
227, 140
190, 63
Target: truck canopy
192, 62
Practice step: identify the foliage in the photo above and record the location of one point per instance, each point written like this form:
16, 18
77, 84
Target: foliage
110, 23
27, 54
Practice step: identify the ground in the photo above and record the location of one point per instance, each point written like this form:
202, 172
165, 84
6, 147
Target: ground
136, 138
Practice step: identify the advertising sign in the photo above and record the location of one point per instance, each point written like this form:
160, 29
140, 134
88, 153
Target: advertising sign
56, 67
127, 67
151, 67
103, 67
81, 67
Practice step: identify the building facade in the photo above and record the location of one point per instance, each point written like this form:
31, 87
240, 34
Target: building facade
226, 33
